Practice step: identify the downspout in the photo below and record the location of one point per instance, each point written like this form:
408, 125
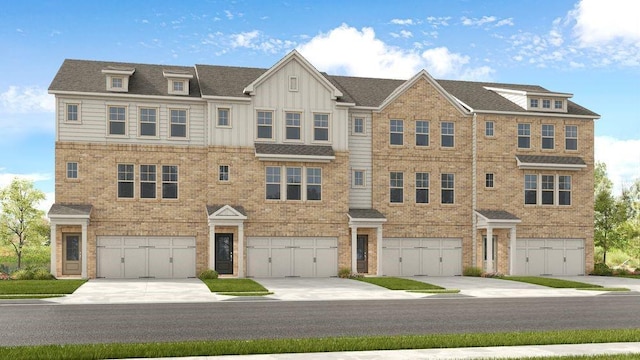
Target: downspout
474, 195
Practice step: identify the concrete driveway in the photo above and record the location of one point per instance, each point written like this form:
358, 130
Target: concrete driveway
137, 291
497, 288
312, 289
606, 281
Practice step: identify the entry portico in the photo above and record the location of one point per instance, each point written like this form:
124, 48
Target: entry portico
69, 215
489, 220
361, 219
227, 216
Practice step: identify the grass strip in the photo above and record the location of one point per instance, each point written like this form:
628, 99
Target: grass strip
22, 287
436, 291
280, 346
604, 289
29, 296
394, 283
248, 293
233, 285
589, 357
551, 282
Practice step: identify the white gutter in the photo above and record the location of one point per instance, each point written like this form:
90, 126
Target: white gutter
128, 95
559, 114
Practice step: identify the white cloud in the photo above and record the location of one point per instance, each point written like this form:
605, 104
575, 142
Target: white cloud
244, 39
436, 22
346, 50
403, 34
622, 158
257, 41
402, 21
600, 22
477, 22
228, 14
505, 22
21, 99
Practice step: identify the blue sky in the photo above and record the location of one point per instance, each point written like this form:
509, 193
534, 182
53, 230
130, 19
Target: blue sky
590, 48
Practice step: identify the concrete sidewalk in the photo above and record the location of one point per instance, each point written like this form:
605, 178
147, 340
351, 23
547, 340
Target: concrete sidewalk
506, 352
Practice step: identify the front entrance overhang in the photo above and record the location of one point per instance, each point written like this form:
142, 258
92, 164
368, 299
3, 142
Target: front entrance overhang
498, 219
365, 218
226, 215
69, 214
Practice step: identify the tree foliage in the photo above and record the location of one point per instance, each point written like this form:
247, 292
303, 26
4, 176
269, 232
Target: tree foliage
611, 214
21, 222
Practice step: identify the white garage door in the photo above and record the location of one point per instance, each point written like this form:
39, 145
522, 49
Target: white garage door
421, 256
133, 257
284, 257
550, 257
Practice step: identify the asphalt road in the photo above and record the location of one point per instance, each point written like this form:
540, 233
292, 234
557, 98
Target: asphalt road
32, 324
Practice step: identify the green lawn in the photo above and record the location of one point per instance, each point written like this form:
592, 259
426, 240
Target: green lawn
235, 286
280, 346
39, 287
550, 282
394, 283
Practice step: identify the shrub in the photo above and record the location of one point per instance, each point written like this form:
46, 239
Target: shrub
601, 269
493, 275
208, 274
4, 276
42, 274
22, 274
344, 273
472, 271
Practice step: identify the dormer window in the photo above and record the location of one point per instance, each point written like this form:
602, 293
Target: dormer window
534, 103
546, 104
558, 105
118, 78
177, 81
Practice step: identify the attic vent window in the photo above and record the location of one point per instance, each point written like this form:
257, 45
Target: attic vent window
177, 81
293, 83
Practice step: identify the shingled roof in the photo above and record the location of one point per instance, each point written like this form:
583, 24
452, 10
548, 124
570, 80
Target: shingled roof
229, 81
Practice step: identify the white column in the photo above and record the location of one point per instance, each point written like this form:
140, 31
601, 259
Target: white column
354, 249
84, 250
53, 248
241, 250
212, 246
489, 249
512, 251
379, 249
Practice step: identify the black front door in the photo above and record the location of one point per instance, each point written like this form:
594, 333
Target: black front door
363, 250
224, 253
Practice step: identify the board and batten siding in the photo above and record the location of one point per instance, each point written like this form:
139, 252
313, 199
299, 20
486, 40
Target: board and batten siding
520, 100
93, 121
360, 159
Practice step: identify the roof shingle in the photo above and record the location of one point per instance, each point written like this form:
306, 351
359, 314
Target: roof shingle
70, 210
543, 159
290, 149
497, 214
365, 214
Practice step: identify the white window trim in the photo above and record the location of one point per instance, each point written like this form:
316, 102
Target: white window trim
451, 188
284, 126
296, 81
228, 174
188, 116
452, 135
493, 180
140, 181
396, 187
542, 137
133, 181
273, 125
282, 198
428, 133
556, 189
353, 179
303, 184
125, 83
547, 107
364, 126
306, 183
493, 129
217, 109
157, 135
313, 127
162, 182
126, 120
576, 138
518, 136
396, 132
66, 170
66, 112
428, 188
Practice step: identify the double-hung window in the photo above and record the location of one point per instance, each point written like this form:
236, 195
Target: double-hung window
294, 183
422, 188
147, 181
178, 86
447, 188
446, 134
564, 190
292, 120
223, 117
524, 136
422, 133
72, 112
396, 132
321, 127
265, 124
125, 180
358, 178
223, 173
117, 120
530, 189
116, 83
358, 126
169, 182
546, 104
488, 180
534, 103
179, 123
273, 175
548, 136
488, 128
557, 104
548, 189
314, 184
72, 170
571, 137
396, 187
147, 122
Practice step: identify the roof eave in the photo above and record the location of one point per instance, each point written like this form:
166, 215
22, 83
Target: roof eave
287, 157
519, 113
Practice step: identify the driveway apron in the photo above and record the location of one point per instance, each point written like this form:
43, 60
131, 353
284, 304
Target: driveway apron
139, 291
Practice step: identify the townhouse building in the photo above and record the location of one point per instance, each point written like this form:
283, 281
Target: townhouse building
165, 171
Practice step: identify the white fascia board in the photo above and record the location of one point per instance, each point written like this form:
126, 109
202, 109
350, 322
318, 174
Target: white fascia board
56, 217
519, 113
127, 95
534, 166
226, 98
549, 94
304, 158
128, 72
343, 104
469, 108
171, 75
365, 222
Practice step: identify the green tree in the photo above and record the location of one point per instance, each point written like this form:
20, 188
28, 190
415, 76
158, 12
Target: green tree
631, 198
610, 214
20, 221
